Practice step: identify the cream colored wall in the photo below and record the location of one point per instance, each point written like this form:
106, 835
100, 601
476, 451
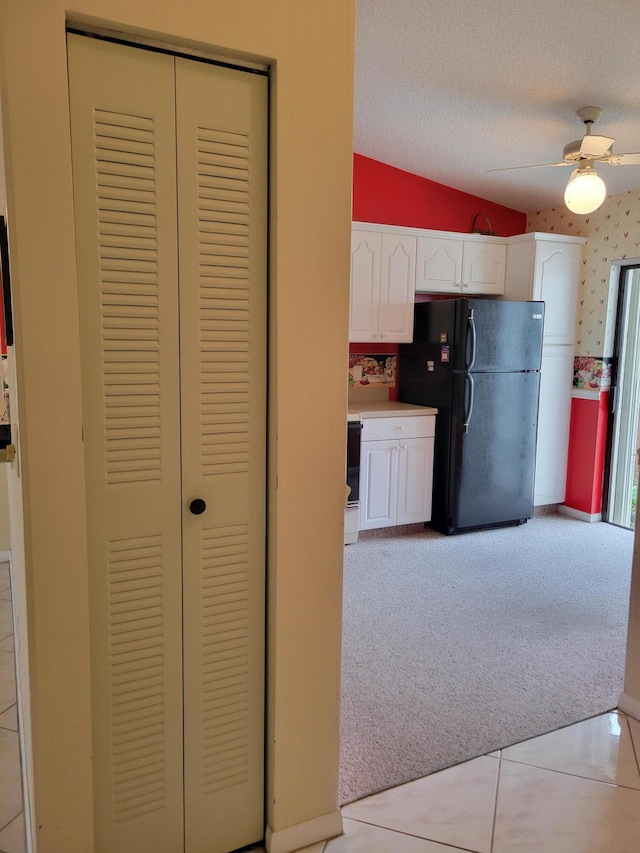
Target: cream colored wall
5, 536
12, 526
19, 591
632, 667
613, 234
310, 46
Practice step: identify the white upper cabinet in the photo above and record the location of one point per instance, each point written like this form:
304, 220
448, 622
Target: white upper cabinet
389, 264
383, 269
547, 267
556, 284
397, 287
460, 264
439, 266
483, 267
365, 285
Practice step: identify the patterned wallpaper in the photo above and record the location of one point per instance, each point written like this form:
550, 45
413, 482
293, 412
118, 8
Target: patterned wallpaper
613, 234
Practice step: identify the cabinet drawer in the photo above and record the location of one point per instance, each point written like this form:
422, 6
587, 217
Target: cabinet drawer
406, 426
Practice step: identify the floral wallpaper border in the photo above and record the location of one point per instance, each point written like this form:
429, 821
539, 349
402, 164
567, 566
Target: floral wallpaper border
371, 370
591, 374
378, 370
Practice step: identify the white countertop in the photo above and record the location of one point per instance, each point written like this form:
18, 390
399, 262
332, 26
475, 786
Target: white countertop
587, 393
359, 409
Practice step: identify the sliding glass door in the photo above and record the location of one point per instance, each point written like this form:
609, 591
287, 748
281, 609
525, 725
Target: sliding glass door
624, 462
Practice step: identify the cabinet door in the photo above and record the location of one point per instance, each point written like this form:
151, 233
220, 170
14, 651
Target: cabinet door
556, 282
483, 266
439, 265
553, 425
378, 484
415, 480
397, 283
365, 279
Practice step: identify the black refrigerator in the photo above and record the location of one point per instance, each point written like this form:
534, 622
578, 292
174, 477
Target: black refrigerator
478, 362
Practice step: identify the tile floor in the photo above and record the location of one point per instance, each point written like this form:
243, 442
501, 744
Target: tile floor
12, 838
576, 790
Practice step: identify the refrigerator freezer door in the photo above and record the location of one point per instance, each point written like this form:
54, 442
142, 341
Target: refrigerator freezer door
492, 463
499, 335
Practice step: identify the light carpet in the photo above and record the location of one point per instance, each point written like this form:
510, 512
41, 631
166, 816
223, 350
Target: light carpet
455, 646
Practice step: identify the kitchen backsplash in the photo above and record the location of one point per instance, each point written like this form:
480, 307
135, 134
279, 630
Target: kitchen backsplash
591, 374
371, 371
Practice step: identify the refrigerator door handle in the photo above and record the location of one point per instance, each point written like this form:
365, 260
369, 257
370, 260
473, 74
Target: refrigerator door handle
470, 384
472, 336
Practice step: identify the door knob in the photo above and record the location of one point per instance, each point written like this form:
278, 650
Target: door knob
197, 506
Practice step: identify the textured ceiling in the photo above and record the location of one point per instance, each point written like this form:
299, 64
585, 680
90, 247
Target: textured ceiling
451, 89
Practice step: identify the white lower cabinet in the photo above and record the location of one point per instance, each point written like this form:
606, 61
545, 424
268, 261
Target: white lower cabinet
378, 483
396, 471
415, 479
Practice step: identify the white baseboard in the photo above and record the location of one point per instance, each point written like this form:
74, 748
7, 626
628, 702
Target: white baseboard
304, 834
576, 513
629, 705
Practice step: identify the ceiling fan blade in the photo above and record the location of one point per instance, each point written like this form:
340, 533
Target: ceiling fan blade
595, 146
536, 166
622, 159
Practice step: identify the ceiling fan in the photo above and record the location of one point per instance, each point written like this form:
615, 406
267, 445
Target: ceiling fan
585, 190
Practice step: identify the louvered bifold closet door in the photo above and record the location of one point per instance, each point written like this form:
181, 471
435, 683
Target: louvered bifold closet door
222, 179
123, 143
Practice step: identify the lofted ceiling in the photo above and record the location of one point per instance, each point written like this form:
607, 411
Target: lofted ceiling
449, 90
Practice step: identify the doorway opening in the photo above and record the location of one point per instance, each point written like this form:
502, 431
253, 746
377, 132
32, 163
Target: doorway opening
623, 465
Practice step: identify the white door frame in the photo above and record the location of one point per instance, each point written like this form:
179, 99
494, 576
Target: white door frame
625, 400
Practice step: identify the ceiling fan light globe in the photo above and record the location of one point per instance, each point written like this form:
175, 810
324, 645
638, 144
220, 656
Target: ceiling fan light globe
585, 191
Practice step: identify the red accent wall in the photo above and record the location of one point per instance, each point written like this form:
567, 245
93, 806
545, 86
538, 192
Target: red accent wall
391, 196
587, 446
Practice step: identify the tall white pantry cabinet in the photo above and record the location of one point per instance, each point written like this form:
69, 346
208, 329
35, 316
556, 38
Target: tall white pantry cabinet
547, 267
170, 179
